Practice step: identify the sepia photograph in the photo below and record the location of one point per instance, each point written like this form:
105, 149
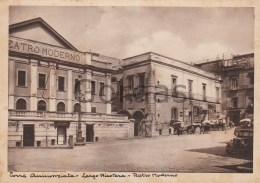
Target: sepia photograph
130, 89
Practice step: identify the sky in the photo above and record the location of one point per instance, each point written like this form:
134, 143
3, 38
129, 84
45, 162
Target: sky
184, 33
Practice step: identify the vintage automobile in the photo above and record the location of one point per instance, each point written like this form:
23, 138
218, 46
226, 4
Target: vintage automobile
205, 127
191, 129
221, 124
213, 125
242, 124
176, 125
243, 142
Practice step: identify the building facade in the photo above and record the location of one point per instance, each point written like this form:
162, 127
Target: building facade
154, 90
53, 86
237, 87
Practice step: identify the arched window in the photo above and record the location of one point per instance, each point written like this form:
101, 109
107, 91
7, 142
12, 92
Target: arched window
61, 107
21, 104
41, 105
77, 107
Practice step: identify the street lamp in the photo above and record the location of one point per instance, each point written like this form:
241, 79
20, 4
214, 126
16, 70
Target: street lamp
78, 97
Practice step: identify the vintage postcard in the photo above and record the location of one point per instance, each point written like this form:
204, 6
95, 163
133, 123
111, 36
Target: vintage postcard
134, 91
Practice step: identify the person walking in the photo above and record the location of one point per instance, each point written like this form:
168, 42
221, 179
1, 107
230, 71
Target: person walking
179, 131
192, 130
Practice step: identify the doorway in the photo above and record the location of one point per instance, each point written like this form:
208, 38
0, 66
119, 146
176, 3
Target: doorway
234, 116
61, 135
28, 135
138, 129
89, 133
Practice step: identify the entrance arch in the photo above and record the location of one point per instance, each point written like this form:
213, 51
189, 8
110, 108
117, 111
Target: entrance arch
126, 113
138, 116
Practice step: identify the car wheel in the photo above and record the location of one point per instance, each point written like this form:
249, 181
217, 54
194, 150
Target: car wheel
228, 149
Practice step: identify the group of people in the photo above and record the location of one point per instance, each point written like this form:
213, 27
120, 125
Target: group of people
203, 127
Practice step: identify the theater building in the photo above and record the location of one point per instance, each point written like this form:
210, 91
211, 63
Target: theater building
237, 87
47, 77
154, 89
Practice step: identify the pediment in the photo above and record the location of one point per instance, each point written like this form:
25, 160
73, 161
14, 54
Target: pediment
38, 30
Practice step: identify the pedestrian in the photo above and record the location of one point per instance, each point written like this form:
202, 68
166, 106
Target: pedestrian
224, 126
179, 131
192, 129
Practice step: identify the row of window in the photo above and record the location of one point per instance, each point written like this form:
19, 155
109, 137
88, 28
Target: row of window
204, 89
41, 106
42, 81
173, 85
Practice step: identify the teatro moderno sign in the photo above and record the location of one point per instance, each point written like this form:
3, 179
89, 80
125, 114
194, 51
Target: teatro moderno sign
29, 47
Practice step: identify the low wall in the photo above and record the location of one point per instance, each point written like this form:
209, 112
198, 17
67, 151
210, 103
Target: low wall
45, 133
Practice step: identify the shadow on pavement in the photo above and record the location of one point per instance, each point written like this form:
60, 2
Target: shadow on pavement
240, 168
220, 151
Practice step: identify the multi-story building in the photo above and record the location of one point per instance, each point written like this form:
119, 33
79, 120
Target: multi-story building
47, 77
238, 85
155, 89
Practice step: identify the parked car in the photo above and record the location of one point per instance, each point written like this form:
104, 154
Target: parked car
205, 127
244, 123
176, 125
213, 125
243, 141
221, 124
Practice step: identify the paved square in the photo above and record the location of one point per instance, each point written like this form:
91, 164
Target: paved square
186, 153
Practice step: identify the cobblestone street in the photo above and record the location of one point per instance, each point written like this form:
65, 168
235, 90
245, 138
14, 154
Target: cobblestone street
186, 153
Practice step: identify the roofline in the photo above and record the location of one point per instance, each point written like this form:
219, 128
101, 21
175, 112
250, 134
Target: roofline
41, 21
159, 55
234, 56
208, 62
244, 55
173, 60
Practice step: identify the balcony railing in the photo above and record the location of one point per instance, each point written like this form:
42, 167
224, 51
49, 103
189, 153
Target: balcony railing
63, 116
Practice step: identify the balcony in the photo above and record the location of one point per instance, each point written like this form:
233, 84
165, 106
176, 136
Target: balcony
174, 92
58, 116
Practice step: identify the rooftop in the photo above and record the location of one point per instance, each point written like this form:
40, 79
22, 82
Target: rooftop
166, 60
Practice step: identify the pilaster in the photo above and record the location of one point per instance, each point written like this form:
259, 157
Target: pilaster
69, 89
125, 84
53, 87
33, 79
108, 93
11, 84
87, 93
151, 100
